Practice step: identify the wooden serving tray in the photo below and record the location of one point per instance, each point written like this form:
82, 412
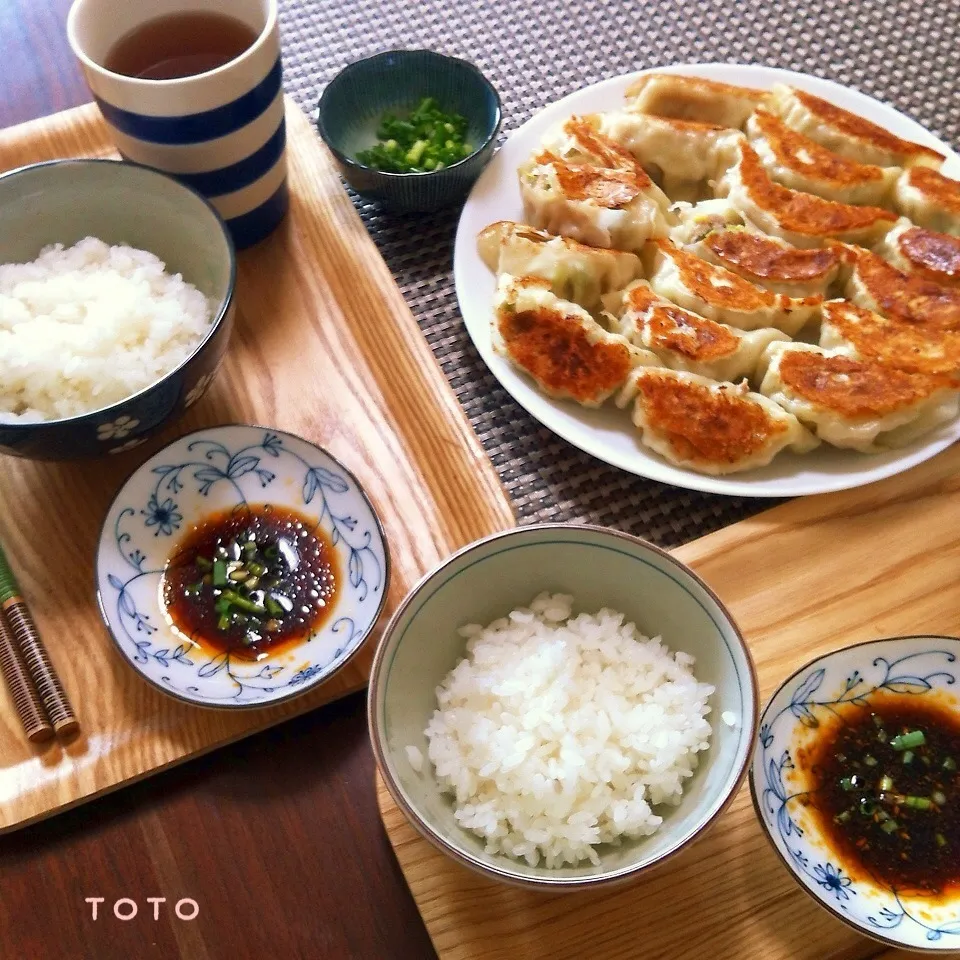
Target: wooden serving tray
324, 347
801, 579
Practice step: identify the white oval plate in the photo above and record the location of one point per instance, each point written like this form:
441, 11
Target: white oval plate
608, 434
220, 468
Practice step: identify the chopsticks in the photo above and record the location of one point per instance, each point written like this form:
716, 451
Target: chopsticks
37, 693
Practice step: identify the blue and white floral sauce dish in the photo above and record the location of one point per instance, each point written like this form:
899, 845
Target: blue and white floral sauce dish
906, 674
213, 472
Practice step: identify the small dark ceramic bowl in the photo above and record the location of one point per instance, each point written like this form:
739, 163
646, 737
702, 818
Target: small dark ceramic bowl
120, 203
353, 103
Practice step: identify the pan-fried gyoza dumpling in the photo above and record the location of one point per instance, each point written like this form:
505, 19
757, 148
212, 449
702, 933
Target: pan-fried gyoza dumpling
770, 262
719, 294
558, 344
683, 156
799, 218
696, 220
846, 133
592, 190
858, 404
924, 253
686, 341
797, 162
852, 331
710, 427
693, 98
576, 272
873, 283
929, 199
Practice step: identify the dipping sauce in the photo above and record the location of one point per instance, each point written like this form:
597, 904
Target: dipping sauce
179, 45
250, 580
888, 792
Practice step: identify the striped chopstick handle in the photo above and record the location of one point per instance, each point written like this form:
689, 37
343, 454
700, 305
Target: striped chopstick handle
34, 653
28, 705
35, 656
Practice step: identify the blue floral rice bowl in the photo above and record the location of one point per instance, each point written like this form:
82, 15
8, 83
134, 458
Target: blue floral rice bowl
783, 786
222, 469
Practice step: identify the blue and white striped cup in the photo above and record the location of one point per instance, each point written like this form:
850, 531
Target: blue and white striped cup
221, 132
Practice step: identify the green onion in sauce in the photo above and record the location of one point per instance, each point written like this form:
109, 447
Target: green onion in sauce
246, 581
886, 791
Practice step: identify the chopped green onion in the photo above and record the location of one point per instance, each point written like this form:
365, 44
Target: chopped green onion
868, 808
220, 573
877, 720
889, 826
842, 817
941, 840
907, 756
949, 764
193, 589
886, 784
882, 735
224, 622
203, 563
870, 761
938, 797
918, 803
273, 608
848, 783
904, 741
243, 603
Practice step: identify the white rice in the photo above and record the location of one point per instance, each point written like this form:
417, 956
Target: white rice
555, 734
84, 327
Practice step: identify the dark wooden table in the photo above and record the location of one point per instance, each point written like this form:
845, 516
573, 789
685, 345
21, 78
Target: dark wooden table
276, 838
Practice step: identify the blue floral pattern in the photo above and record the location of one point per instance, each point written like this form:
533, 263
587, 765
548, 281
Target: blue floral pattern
229, 467
914, 666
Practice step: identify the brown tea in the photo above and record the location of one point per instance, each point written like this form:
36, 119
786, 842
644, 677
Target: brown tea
179, 45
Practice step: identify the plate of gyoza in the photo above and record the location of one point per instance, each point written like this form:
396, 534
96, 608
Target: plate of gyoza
729, 278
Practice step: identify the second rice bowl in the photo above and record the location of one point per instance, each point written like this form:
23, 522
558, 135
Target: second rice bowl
598, 568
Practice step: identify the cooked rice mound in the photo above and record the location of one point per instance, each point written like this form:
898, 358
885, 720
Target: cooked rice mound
557, 733
85, 327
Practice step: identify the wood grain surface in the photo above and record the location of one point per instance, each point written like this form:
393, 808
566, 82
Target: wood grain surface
801, 579
324, 347
293, 802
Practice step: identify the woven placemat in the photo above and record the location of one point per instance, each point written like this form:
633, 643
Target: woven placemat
902, 52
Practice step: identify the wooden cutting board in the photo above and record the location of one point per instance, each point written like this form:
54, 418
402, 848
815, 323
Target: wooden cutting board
324, 347
801, 579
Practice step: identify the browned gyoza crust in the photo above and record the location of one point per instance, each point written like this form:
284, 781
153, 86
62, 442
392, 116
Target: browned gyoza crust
803, 213
764, 259
557, 352
860, 129
943, 191
932, 255
914, 347
895, 294
703, 425
790, 148
853, 388
680, 331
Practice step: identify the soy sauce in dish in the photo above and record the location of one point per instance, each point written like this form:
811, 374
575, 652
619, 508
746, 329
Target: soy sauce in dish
250, 581
179, 45
888, 792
